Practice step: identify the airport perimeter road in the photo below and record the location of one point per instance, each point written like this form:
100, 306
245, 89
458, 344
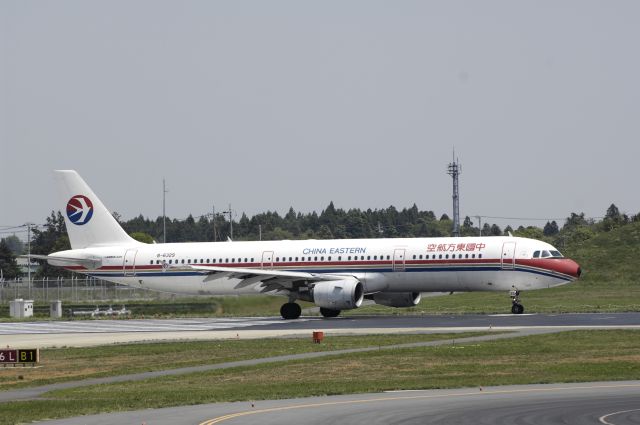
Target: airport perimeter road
98, 332
587, 403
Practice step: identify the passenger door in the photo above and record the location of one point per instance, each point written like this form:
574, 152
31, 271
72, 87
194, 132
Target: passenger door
129, 262
507, 260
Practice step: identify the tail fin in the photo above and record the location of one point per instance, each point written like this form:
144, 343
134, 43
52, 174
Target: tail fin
89, 223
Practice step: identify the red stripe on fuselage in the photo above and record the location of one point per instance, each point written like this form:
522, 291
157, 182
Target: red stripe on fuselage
558, 265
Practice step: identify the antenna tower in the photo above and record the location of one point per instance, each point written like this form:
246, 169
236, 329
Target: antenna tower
454, 169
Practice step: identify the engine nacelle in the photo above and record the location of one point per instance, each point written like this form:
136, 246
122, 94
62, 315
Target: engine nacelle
338, 294
397, 299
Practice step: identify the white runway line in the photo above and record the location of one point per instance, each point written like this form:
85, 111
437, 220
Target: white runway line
121, 326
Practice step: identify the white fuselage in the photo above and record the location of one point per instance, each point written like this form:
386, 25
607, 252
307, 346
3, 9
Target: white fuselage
382, 265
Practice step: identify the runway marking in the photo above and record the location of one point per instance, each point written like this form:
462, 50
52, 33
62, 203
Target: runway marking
604, 421
380, 399
134, 325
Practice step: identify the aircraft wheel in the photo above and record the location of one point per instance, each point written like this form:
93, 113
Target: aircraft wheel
517, 309
290, 311
328, 312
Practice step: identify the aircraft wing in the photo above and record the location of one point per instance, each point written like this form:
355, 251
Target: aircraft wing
271, 280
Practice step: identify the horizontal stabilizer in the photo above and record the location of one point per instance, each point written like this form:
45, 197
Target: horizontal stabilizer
89, 263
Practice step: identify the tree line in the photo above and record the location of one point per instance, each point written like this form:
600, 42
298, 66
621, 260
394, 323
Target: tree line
330, 223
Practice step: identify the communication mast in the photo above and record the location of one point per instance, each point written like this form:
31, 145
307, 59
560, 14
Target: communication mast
454, 169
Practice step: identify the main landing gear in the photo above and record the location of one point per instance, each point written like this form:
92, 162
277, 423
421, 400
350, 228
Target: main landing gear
516, 307
328, 312
290, 311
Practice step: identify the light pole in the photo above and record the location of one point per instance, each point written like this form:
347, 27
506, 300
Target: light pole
29, 255
164, 215
230, 221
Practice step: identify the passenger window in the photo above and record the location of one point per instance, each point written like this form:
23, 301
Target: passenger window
329, 258
479, 255
321, 258
233, 260
214, 261
388, 257
189, 261
440, 257
414, 256
226, 260
340, 258
466, 255
296, 258
446, 256
151, 262
308, 258
473, 255
315, 258
349, 258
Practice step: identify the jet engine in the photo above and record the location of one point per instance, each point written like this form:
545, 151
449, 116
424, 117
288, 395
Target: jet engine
397, 299
338, 294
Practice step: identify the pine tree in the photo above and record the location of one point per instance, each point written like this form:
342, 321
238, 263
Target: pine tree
8, 264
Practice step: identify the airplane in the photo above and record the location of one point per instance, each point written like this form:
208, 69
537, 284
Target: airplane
333, 274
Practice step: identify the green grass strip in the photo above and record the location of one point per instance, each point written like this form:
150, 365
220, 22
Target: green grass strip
578, 356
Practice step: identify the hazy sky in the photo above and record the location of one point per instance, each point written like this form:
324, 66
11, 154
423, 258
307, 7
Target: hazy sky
271, 104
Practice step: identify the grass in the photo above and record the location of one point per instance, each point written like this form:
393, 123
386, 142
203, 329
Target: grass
577, 297
577, 356
70, 364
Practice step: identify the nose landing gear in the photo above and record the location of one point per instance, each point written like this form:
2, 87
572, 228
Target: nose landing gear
516, 307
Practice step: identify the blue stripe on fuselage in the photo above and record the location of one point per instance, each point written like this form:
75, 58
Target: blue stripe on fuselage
355, 270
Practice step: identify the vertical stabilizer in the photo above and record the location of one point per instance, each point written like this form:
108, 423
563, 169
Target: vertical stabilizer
89, 223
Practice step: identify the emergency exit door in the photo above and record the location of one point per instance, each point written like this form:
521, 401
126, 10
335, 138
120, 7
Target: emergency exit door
398, 260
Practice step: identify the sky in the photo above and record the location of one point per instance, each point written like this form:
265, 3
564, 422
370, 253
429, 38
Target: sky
278, 104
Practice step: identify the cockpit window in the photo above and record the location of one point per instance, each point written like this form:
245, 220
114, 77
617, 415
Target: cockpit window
545, 254
556, 254
536, 254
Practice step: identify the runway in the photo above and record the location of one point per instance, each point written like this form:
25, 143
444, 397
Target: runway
97, 332
598, 403
606, 403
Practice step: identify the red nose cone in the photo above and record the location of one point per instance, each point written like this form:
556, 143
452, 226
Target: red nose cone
565, 266
573, 268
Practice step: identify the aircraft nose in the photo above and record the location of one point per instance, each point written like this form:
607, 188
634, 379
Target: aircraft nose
574, 269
